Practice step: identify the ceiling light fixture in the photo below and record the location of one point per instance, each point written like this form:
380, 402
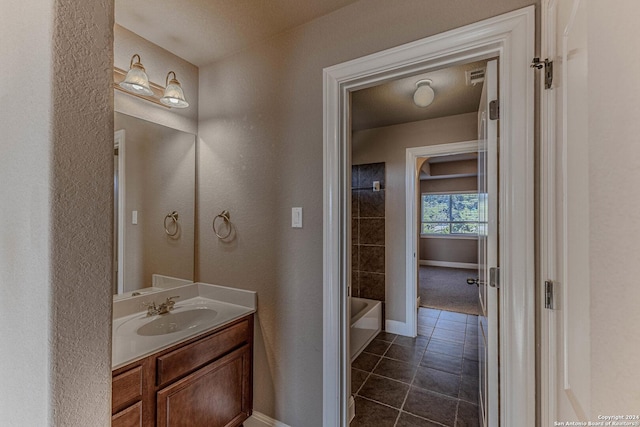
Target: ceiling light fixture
136, 80
424, 94
173, 94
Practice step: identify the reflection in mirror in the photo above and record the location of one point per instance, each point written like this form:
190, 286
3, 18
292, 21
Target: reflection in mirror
154, 185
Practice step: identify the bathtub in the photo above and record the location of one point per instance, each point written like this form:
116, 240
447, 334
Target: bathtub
366, 321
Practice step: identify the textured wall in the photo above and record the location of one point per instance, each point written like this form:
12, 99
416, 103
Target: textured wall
81, 213
260, 153
160, 178
55, 243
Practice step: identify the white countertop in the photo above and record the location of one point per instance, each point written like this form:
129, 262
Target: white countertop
214, 306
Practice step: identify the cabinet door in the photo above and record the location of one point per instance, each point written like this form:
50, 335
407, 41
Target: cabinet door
218, 395
130, 417
127, 389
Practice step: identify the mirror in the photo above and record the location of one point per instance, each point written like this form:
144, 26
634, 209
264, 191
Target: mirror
154, 203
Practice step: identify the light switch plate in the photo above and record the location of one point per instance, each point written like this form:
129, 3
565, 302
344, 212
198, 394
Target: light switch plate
134, 217
296, 217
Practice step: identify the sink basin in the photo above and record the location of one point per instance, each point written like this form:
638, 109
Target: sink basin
177, 321
137, 335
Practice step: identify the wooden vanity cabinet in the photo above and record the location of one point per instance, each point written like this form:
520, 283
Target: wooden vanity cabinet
206, 381
128, 389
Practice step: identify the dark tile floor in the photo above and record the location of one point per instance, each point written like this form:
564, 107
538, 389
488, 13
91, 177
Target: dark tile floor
430, 380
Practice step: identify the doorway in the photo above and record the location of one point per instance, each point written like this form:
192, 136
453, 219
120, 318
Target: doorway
420, 244
393, 374
448, 203
445, 211
511, 38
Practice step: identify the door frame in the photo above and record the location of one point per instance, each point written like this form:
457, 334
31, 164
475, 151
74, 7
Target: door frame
548, 228
119, 143
412, 188
511, 38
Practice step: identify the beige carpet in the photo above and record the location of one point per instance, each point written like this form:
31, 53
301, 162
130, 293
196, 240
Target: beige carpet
446, 289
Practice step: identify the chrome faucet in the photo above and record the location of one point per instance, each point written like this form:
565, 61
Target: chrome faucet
163, 308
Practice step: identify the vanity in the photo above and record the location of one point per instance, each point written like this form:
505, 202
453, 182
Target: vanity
191, 366
182, 351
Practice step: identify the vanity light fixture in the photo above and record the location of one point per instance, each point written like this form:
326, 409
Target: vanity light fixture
173, 94
424, 94
136, 80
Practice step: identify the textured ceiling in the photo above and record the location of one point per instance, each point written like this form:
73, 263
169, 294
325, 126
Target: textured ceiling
392, 103
203, 31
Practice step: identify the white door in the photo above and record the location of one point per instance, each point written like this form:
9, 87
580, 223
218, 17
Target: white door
488, 250
565, 366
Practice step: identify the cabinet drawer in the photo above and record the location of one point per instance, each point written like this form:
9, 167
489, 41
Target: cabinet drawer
179, 362
130, 417
127, 388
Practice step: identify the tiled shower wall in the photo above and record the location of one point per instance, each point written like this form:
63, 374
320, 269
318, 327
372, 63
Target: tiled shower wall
368, 228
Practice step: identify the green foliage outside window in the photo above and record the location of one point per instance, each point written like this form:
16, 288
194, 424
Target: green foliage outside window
445, 214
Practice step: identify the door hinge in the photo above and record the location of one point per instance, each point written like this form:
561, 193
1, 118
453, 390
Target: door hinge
494, 110
494, 277
548, 294
548, 70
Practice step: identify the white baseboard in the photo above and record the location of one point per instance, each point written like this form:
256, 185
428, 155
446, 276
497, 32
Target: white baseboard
259, 419
432, 263
398, 328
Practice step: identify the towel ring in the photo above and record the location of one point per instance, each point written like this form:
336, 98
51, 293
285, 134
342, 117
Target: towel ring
173, 216
225, 216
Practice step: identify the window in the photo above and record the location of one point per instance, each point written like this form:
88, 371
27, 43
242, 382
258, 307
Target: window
450, 214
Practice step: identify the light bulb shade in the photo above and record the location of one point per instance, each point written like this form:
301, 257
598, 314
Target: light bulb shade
424, 94
136, 80
173, 94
